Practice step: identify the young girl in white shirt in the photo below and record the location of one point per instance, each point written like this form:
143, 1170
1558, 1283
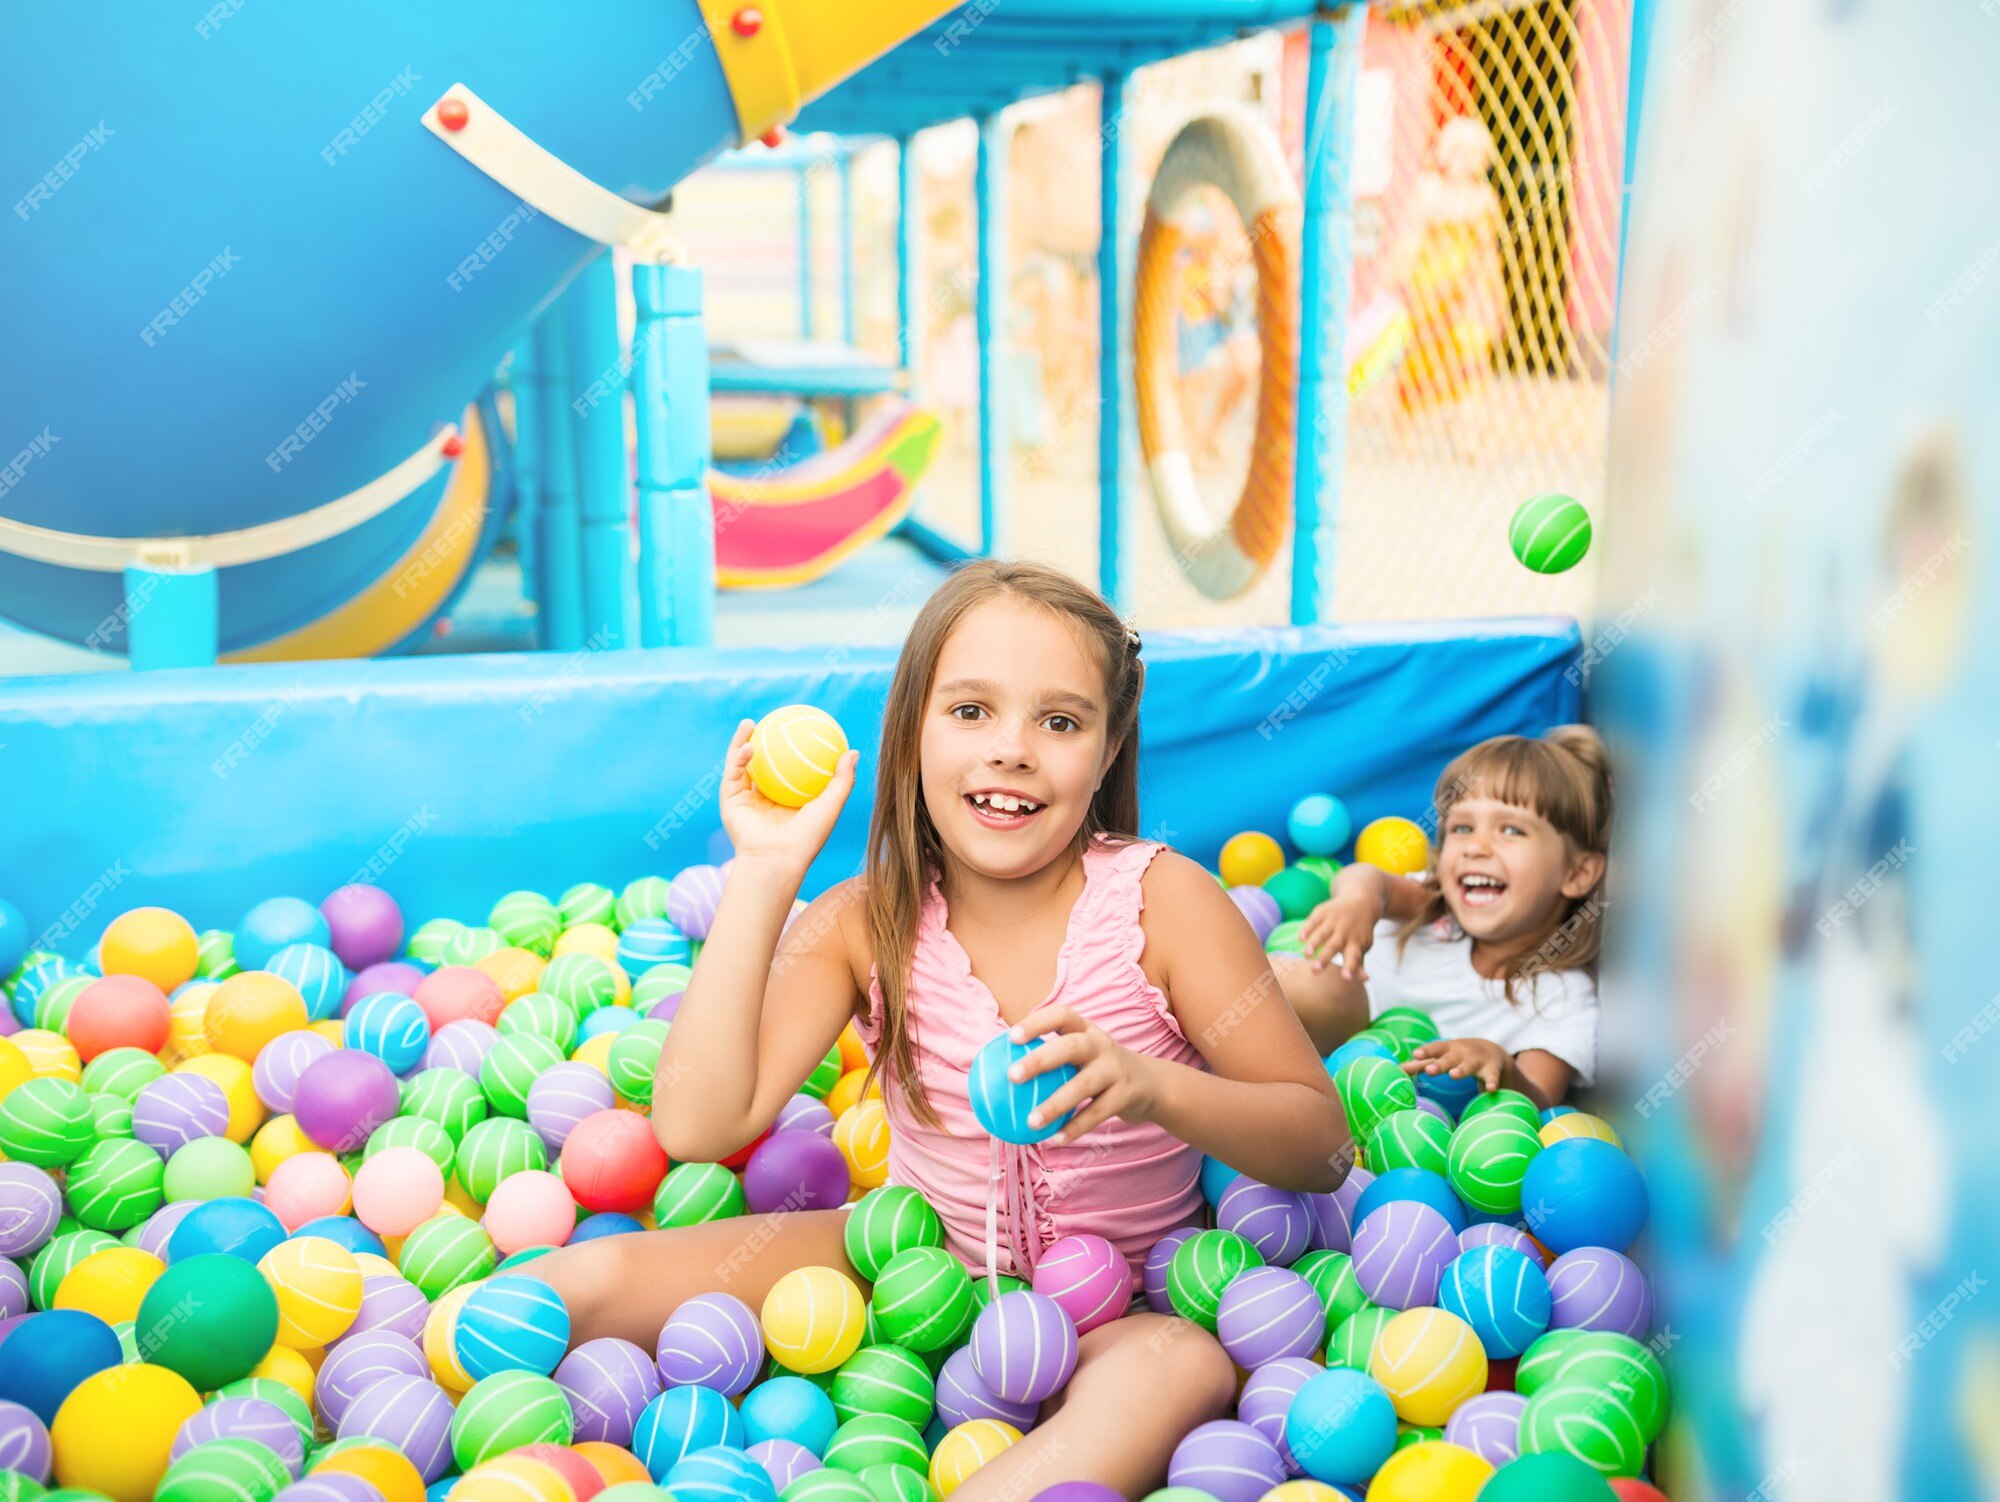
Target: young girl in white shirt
1498, 941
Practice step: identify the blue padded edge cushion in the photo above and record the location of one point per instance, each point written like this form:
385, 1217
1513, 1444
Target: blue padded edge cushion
450, 781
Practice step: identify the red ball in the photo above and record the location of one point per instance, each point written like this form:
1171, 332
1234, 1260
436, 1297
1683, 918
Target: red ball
452, 114
119, 1011
458, 992
584, 1478
1500, 1374
452, 447
611, 1161
1630, 1489
737, 1159
747, 22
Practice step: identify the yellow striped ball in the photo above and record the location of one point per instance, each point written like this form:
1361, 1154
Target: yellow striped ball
793, 753
862, 1135
965, 1449
50, 1055
1428, 1361
813, 1319
318, 1284
514, 1478
1579, 1124
187, 1025
1303, 1491
440, 1328
389, 1471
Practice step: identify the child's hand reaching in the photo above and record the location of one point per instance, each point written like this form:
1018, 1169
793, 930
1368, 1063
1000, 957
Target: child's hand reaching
1460, 1057
762, 831
1341, 929
1115, 1080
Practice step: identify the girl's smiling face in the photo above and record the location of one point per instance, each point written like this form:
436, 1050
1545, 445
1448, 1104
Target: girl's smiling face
1014, 738
1505, 872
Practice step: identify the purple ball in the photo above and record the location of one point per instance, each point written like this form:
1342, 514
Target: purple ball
243, 1418
783, 1460
280, 1063
1489, 1425
341, 1099
176, 1109
666, 1008
1595, 1288
692, 898
1024, 1346
609, 1382
1227, 1459
712, 1340
1499, 1233
1401, 1251
1153, 1278
561, 1096
364, 924
24, 1442
1267, 1397
963, 1396
411, 1413
1260, 907
1277, 1222
161, 1225
1079, 1491
1267, 1314
14, 1289
1425, 1103
462, 1045
391, 975
795, 1171
1333, 1214
390, 1305
804, 1114
30, 1206
331, 1486
359, 1361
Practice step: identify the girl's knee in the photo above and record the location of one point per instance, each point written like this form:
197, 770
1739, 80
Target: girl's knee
1188, 1357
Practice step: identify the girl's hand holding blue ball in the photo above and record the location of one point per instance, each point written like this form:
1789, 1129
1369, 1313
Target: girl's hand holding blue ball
1461, 1058
1091, 1068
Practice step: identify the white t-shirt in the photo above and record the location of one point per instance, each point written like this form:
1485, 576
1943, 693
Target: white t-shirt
1557, 1012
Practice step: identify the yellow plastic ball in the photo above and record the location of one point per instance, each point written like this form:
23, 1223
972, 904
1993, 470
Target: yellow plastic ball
318, 1284
515, 971
331, 1029
599, 939
793, 753
847, 1091
296, 1370
50, 1055
596, 1052
1393, 845
187, 1020
390, 1472
853, 1053
251, 1008
1579, 1124
1429, 1361
372, 1265
110, 1284
1303, 1491
615, 1464
862, 1135
151, 942
439, 1327
15, 1069
518, 1478
246, 1109
1430, 1471
813, 1318
1250, 859
276, 1140
966, 1448
458, 1199
114, 1431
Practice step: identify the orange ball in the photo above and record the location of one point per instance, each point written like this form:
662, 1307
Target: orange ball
119, 1011
389, 1471
153, 944
853, 1055
249, 1009
614, 1464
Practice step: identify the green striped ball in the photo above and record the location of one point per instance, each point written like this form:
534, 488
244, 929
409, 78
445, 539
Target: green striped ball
428, 942
582, 980
1323, 866
923, 1299
543, 1015
1407, 1023
215, 955
1598, 1427
58, 1260
644, 898
1371, 1089
1508, 1102
506, 1411
111, 1116
498, 1149
1603, 1360
829, 1486
1332, 1277
1489, 1158
1550, 533
224, 1470
445, 1251
897, 1483
122, 1072
633, 1058
1202, 1267
451, 1099
884, 1379
47, 1122
1416, 1434
1353, 1341
470, 945
52, 1007
271, 1390
587, 902
657, 982
1397, 1043
693, 1194
873, 1439
526, 920
1284, 939
1409, 1139
985, 1290
420, 1132
116, 1184
888, 1221
825, 1076
512, 1065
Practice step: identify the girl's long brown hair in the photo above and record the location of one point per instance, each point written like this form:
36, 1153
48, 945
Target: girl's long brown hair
905, 851
1565, 777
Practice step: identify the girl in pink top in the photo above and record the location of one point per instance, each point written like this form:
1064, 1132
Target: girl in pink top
1003, 890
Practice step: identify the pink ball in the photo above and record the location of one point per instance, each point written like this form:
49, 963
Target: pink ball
1088, 1278
119, 1011
397, 1190
306, 1186
457, 992
365, 924
531, 1208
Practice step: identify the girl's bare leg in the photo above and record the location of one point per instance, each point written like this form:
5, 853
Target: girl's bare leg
1141, 1383
628, 1285
1332, 1007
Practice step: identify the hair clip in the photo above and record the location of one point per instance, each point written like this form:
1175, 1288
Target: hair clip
1131, 640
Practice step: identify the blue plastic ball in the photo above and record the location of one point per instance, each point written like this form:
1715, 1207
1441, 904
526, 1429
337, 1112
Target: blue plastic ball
274, 923
1453, 1095
344, 1230
1411, 1184
511, 1323
1216, 1177
32, 982
47, 1354
1319, 825
14, 937
611, 1019
391, 1026
1003, 1106
680, 1421
1554, 1111
790, 1408
317, 972
1358, 1048
1502, 1294
603, 1223
720, 1474
652, 941
1583, 1192
239, 1227
1341, 1426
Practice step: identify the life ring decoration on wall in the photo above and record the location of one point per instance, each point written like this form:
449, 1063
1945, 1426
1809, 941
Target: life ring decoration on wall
1238, 154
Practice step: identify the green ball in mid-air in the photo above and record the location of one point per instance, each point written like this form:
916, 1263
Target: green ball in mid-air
1550, 533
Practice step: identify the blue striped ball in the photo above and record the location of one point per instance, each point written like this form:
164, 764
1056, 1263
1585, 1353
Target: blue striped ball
720, 1474
317, 972
1003, 1106
391, 1026
680, 1421
652, 941
1502, 1294
511, 1323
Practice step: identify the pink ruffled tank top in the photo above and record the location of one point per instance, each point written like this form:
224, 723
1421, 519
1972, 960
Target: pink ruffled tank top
1003, 1205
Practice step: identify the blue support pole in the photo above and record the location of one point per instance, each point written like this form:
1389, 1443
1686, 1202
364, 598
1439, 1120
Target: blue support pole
1325, 288
909, 337
172, 616
990, 196
596, 398
560, 553
847, 312
1643, 12
525, 382
805, 250
1114, 353
670, 402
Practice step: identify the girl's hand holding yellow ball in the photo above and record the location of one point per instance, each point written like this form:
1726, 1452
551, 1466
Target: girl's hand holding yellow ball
784, 783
